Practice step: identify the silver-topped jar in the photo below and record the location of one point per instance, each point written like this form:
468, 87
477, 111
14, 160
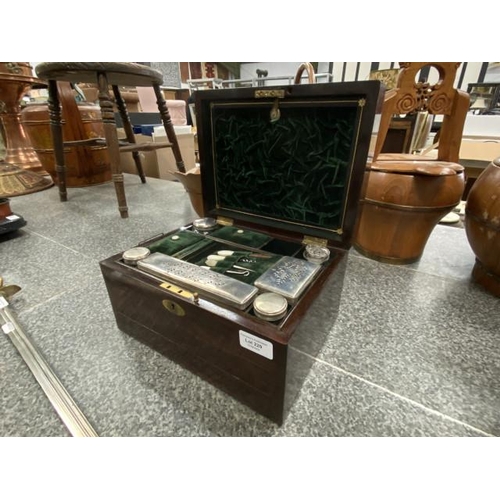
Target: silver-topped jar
134, 255
205, 224
316, 254
270, 306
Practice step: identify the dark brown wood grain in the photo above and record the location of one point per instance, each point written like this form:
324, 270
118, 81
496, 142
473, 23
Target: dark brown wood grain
169, 128
57, 138
129, 132
206, 339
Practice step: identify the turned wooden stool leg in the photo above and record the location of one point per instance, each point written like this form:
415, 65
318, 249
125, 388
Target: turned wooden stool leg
129, 132
110, 133
169, 128
57, 139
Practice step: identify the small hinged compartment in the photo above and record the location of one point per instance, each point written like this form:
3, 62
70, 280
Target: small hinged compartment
239, 296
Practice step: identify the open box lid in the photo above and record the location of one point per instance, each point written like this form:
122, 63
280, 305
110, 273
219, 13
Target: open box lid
290, 158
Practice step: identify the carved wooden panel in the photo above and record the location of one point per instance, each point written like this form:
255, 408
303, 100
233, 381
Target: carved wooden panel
422, 96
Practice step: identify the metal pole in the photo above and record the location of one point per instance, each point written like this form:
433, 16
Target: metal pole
59, 397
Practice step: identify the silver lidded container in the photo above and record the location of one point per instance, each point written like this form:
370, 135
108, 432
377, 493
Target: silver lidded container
316, 254
288, 277
134, 255
205, 224
270, 306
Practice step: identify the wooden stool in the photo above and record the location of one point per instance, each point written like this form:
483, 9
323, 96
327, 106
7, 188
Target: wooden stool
105, 74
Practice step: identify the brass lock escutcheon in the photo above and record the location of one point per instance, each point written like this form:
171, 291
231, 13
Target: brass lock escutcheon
173, 307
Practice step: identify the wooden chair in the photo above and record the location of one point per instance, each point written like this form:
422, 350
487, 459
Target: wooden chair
105, 74
406, 195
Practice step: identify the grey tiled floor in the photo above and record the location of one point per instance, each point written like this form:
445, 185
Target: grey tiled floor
415, 350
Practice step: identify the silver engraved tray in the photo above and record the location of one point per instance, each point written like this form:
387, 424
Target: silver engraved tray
288, 277
215, 286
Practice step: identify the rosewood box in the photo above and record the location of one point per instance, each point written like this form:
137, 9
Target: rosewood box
235, 296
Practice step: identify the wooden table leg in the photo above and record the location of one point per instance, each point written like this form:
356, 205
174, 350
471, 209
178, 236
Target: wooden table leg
111, 135
129, 132
169, 128
57, 139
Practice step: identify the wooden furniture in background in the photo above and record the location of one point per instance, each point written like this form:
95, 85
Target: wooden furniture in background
105, 74
407, 195
86, 165
399, 135
484, 97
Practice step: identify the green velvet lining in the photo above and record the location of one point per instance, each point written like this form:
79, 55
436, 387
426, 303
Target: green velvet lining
171, 244
256, 265
293, 169
241, 236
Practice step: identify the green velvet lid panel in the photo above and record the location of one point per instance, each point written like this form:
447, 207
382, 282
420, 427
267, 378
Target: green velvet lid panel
296, 169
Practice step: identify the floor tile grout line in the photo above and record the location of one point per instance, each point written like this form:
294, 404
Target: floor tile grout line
395, 394
50, 299
60, 244
446, 278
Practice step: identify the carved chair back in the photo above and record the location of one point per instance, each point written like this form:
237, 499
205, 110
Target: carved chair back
440, 98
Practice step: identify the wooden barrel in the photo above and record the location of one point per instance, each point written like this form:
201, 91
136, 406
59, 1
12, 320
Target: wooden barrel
403, 203
482, 226
85, 165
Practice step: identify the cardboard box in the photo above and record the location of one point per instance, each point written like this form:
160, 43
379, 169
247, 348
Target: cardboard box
148, 158
482, 150
160, 163
166, 159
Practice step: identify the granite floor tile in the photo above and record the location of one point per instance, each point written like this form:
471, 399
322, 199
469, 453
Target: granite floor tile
124, 387
89, 222
42, 268
24, 407
334, 404
432, 340
156, 194
447, 254
127, 389
422, 338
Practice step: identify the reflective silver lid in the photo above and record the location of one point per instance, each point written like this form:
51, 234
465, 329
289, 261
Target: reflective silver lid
133, 255
205, 224
288, 277
270, 306
316, 254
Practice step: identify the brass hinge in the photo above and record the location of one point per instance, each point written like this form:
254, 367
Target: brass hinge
225, 221
311, 240
180, 291
262, 94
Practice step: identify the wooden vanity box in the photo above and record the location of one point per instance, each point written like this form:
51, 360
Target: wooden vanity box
282, 167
